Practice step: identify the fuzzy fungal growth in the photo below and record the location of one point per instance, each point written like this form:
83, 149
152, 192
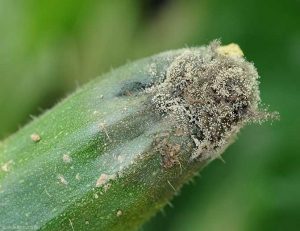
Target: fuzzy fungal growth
211, 91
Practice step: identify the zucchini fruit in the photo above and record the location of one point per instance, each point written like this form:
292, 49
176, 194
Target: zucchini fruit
117, 150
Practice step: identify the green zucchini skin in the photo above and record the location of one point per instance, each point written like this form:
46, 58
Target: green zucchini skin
96, 165
51, 184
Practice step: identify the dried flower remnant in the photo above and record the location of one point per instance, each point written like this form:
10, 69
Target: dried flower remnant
212, 92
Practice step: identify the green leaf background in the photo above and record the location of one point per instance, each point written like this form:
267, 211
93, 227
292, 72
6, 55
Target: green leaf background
50, 48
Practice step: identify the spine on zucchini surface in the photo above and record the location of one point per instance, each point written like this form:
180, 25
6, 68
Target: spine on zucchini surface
117, 150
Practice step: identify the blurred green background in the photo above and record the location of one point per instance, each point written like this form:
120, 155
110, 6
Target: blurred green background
50, 47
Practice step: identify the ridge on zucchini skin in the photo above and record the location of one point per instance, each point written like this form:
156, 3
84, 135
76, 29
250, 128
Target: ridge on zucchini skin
116, 151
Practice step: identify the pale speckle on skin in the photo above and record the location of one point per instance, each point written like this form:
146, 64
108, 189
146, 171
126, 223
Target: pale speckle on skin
128, 93
119, 213
62, 179
96, 196
77, 176
120, 159
67, 158
103, 179
35, 137
7, 165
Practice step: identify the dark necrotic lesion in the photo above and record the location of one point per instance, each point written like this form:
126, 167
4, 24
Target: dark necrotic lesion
128, 89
